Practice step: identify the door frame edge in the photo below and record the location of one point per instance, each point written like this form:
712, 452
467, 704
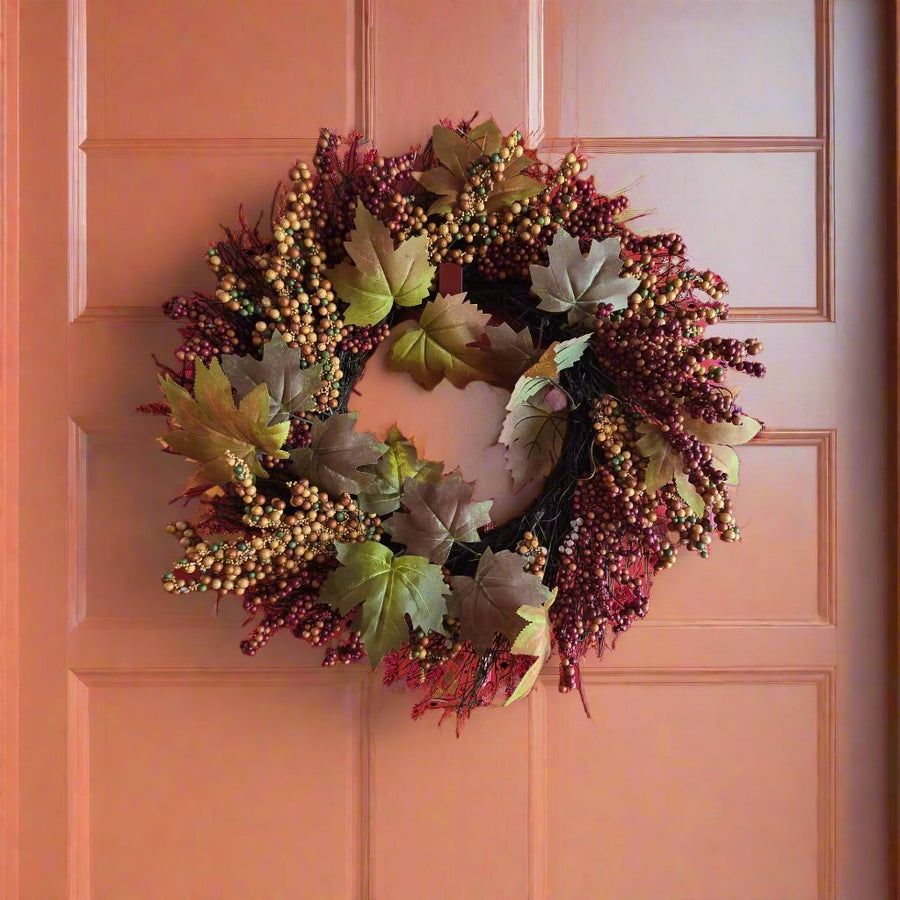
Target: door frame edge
9, 447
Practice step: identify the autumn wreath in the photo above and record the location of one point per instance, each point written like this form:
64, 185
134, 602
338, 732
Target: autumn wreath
616, 396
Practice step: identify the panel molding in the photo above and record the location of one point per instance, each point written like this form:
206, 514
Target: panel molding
360, 788
820, 147
535, 125
360, 106
80, 429
824, 440
76, 519
367, 79
686, 144
825, 169
534, 113
360, 94
223, 146
76, 25
821, 144
538, 810
121, 315
78, 789
824, 681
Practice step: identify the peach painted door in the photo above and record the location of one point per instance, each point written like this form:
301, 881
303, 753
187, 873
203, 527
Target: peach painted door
738, 747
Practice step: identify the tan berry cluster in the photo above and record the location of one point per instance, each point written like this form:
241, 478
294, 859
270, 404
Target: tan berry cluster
281, 539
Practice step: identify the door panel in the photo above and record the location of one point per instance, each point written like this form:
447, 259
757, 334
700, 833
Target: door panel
156, 794
743, 765
753, 212
737, 740
483, 57
183, 70
736, 67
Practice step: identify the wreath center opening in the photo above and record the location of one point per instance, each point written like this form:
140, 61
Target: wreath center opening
458, 426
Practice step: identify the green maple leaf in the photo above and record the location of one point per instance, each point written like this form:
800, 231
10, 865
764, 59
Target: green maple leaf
576, 284
533, 432
665, 465
386, 588
211, 426
557, 357
291, 387
532, 640
490, 602
383, 275
335, 455
458, 152
565, 355
444, 344
401, 461
438, 514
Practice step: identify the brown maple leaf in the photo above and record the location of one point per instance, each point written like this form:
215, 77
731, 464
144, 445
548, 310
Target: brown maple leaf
292, 387
511, 352
489, 603
335, 454
438, 514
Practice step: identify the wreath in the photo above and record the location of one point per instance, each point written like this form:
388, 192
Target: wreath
617, 397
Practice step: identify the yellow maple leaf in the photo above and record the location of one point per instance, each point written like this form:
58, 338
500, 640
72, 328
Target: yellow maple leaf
533, 640
383, 274
458, 152
445, 344
211, 426
665, 464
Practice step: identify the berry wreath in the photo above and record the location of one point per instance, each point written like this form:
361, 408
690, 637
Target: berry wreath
617, 398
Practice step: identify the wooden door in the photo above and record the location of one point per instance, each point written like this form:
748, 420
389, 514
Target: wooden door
738, 747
